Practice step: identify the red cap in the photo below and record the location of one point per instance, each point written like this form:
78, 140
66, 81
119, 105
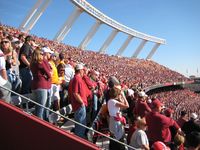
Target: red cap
160, 146
156, 103
169, 111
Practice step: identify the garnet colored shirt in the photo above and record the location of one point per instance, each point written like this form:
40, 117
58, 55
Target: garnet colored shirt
78, 86
41, 76
141, 109
158, 127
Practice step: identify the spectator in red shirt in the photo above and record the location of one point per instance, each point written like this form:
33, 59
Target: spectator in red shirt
41, 82
158, 124
142, 108
79, 100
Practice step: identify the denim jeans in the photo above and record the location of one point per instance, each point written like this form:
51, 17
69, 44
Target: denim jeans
48, 104
26, 77
40, 96
15, 80
94, 106
4, 94
80, 116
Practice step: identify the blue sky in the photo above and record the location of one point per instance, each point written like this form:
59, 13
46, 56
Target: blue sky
177, 21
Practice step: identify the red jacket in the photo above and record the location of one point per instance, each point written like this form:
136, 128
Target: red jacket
158, 127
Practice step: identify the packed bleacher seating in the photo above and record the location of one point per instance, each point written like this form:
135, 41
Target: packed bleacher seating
180, 100
65, 78
132, 71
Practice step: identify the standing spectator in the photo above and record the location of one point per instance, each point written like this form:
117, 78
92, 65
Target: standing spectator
61, 58
16, 48
24, 67
168, 112
41, 81
69, 71
193, 141
11, 60
55, 83
132, 128
116, 102
191, 125
183, 119
112, 81
139, 138
3, 61
4, 94
78, 100
142, 108
62, 92
158, 124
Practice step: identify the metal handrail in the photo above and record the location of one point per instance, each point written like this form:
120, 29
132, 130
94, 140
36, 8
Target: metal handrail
28, 99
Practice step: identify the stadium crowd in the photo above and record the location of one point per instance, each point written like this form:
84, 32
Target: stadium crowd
99, 87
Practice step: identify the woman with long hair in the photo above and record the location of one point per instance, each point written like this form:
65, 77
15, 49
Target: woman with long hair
11, 59
41, 82
115, 104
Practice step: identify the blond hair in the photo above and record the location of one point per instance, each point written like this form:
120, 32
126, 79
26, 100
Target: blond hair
37, 56
179, 139
140, 122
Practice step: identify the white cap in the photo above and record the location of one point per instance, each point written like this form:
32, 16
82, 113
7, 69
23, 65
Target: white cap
193, 116
79, 67
130, 92
149, 101
142, 94
47, 50
15, 40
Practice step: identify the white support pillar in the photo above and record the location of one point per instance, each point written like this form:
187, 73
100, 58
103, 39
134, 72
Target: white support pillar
30, 15
108, 41
89, 35
140, 47
153, 50
125, 44
37, 15
67, 25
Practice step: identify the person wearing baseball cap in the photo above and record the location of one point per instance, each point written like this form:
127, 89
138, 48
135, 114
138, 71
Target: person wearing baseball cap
192, 124
158, 124
78, 98
142, 108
